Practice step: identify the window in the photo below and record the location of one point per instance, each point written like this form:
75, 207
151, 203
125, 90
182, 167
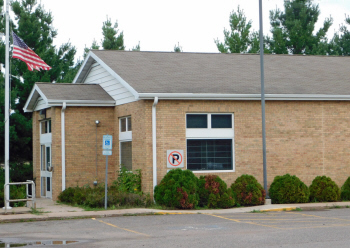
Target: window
125, 142
45, 126
209, 121
210, 139
209, 154
125, 124
126, 154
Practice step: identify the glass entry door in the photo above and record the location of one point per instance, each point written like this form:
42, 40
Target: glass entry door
45, 171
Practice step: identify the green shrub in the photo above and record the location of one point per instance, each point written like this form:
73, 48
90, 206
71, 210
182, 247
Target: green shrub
345, 190
248, 191
95, 197
178, 189
129, 181
213, 193
288, 189
324, 189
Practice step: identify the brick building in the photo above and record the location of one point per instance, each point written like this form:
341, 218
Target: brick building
202, 111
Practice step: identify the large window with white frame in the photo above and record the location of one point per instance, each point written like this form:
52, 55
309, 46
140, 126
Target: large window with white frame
125, 142
210, 141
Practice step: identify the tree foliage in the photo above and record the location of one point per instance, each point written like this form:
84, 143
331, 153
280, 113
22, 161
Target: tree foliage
240, 38
111, 39
178, 48
34, 25
293, 30
340, 44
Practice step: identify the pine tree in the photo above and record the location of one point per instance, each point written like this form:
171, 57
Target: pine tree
239, 39
340, 44
34, 25
293, 29
111, 39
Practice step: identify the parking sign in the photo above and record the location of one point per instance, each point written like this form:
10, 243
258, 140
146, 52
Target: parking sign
107, 142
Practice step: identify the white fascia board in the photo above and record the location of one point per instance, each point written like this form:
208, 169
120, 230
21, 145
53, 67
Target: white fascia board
256, 97
30, 98
115, 75
88, 103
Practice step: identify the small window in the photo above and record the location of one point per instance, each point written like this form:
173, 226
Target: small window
45, 126
125, 124
221, 121
197, 121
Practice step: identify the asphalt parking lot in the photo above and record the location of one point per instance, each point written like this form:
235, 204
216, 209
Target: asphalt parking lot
325, 228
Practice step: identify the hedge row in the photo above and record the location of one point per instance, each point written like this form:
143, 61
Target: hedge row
290, 189
182, 189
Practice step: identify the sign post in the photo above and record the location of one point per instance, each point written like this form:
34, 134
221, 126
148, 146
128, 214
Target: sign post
107, 151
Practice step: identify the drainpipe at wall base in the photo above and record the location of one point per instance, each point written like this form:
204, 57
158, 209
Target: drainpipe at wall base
63, 146
154, 141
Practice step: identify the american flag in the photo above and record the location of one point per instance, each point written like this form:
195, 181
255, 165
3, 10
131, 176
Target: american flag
23, 52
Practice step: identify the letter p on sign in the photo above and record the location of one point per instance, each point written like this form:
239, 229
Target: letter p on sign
175, 159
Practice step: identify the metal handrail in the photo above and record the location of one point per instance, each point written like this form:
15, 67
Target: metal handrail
28, 197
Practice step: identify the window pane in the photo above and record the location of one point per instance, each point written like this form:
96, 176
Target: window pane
197, 121
221, 121
43, 127
43, 161
126, 155
48, 184
49, 126
123, 125
209, 154
48, 158
129, 123
43, 186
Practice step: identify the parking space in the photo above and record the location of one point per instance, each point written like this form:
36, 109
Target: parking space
289, 219
259, 229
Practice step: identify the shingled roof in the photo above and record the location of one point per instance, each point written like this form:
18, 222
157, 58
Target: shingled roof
66, 92
54, 94
216, 73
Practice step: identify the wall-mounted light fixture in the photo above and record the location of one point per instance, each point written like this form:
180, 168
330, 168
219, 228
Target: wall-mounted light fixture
97, 122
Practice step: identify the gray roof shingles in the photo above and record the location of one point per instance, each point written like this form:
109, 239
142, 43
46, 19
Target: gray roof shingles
59, 91
169, 72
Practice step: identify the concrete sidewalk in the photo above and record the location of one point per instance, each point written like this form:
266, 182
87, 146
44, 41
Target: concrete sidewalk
46, 209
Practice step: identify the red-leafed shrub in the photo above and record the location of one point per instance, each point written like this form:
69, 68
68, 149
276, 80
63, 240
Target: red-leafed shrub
213, 193
248, 191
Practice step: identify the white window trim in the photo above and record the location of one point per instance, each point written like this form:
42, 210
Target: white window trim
125, 136
45, 137
212, 133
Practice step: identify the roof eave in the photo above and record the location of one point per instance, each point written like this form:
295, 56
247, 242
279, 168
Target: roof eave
256, 97
33, 96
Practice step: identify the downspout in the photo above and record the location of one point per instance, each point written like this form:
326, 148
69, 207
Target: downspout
63, 146
154, 142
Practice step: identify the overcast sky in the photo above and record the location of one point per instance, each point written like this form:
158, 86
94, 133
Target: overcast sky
160, 24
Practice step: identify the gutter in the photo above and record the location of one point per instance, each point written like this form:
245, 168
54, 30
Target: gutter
154, 141
63, 145
256, 97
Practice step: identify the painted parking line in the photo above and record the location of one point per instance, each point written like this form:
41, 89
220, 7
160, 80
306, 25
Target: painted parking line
245, 222
276, 222
174, 213
321, 217
128, 230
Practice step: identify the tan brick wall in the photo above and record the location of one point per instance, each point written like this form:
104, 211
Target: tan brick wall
141, 118
306, 139
80, 146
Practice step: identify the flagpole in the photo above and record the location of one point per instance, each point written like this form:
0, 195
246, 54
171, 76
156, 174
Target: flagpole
7, 105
